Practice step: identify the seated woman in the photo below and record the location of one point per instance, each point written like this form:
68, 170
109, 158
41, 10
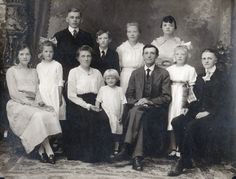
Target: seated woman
29, 118
194, 129
89, 135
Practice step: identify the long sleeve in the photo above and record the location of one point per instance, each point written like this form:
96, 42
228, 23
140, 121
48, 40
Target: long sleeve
131, 90
59, 72
165, 97
71, 91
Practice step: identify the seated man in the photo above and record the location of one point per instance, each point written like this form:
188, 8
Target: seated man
149, 95
193, 130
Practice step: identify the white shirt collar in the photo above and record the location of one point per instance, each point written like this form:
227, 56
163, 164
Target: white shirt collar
151, 68
72, 29
103, 50
211, 70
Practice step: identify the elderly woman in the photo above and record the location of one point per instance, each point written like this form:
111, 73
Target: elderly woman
197, 128
29, 118
88, 137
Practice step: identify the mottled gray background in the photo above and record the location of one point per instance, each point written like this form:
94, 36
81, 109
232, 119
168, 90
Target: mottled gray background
204, 22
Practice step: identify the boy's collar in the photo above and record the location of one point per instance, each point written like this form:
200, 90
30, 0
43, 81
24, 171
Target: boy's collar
72, 29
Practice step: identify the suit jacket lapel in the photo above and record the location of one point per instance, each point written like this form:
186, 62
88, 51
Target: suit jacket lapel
141, 80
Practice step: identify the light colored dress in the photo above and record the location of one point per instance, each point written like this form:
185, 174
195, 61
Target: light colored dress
50, 79
31, 123
112, 101
182, 77
166, 50
130, 59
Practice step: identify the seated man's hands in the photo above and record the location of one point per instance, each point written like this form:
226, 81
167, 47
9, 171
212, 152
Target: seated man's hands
202, 114
143, 102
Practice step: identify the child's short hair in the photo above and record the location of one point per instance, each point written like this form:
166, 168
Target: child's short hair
111, 72
136, 24
101, 31
185, 49
169, 19
46, 43
73, 9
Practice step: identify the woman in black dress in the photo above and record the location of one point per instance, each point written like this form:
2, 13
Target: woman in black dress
89, 135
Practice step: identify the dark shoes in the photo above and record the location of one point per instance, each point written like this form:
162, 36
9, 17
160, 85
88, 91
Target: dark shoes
123, 154
177, 169
137, 164
51, 159
43, 158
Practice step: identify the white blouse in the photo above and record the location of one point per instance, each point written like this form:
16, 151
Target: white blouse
82, 82
130, 57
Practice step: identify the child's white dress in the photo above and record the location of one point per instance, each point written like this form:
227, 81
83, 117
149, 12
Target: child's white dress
112, 100
50, 78
181, 77
130, 59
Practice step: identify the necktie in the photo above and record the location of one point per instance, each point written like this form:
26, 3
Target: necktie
74, 33
103, 54
208, 76
148, 73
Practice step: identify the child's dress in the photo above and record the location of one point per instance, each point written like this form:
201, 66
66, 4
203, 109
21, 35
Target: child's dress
166, 50
181, 77
50, 79
130, 59
112, 100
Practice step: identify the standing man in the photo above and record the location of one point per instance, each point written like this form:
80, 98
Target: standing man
149, 94
69, 40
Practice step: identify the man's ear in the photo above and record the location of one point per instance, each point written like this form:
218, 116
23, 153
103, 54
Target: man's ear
110, 40
67, 19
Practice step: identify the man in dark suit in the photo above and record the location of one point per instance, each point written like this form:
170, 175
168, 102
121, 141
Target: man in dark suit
105, 57
69, 40
193, 130
149, 94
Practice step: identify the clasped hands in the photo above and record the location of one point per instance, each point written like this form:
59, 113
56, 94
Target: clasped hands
198, 116
143, 102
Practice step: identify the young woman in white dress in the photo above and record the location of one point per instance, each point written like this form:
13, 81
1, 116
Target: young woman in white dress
167, 43
183, 77
130, 54
50, 79
111, 98
29, 118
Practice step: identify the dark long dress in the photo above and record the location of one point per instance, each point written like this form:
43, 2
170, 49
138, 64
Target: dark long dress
89, 135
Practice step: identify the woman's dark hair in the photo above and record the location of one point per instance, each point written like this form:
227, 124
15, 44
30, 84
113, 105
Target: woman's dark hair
20, 47
84, 48
211, 51
151, 46
169, 19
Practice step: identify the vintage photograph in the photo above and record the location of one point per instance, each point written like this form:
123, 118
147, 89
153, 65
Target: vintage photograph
117, 89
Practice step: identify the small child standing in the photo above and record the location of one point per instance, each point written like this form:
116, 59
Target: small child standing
50, 79
183, 77
112, 100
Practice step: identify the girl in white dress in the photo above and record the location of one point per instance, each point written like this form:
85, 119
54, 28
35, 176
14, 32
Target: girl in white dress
183, 77
167, 43
130, 54
50, 79
112, 99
